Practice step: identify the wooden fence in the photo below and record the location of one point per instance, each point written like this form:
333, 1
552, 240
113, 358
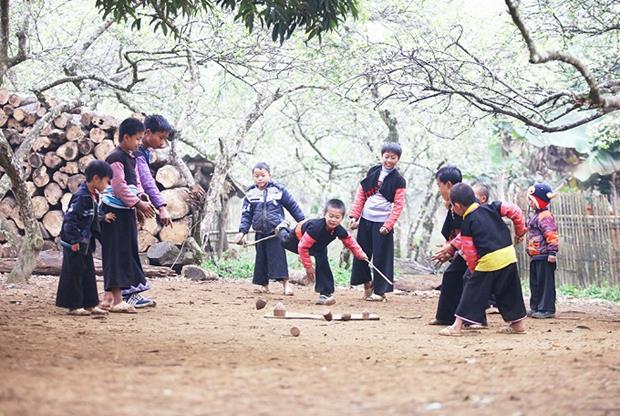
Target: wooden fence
589, 228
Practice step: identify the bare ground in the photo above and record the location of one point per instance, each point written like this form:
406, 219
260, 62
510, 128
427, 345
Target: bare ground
206, 350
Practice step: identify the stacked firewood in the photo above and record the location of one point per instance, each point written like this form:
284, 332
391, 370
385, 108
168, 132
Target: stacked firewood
54, 169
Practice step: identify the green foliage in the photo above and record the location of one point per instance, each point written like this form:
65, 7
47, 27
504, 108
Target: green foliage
236, 268
283, 17
605, 292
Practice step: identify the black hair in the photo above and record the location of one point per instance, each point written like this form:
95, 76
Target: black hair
484, 189
337, 204
461, 193
157, 123
98, 168
392, 147
449, 173
261, 165
129, 126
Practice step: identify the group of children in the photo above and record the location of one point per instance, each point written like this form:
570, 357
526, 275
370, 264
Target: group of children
378, 203
121, 192
482, 270
117, 194
483, 262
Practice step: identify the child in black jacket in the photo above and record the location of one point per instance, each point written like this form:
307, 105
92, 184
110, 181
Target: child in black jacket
77, 286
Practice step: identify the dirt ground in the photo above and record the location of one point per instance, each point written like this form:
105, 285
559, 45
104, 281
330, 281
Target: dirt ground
206, 350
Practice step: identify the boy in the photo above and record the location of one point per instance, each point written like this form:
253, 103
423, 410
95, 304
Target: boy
77, 286
263, 210
482, 193
379, 201
121, 262
157, 131
452, 280
492, 259
542, 247
311, 238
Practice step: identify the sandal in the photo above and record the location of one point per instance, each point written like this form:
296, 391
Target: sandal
475, 326
79, 312
508, 330
368, 290
376, 298
449, 332
104, 306
288, 291
123, 307
262, 290
438, 322
99, 311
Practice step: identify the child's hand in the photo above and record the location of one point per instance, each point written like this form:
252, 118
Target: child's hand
365, 258
551, 259
109, 217
444, 253
519, 238
146, 208
164, 217
383, 231
141, 219
240, 239
310, 274
75, 247
354, 223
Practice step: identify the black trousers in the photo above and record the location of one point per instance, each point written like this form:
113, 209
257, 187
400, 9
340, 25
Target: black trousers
380, 249
270, 261
542, 286
506, 287
77, 285
119, 249
451, 290
324, 281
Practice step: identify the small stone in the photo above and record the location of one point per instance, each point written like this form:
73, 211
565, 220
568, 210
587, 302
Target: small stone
260, 303
327, 315
346, 317
295, 331
197, 274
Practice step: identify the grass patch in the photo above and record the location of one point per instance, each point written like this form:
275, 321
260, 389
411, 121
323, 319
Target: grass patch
605, 292
235, 268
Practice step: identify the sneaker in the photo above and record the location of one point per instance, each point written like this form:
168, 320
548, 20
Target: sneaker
325, 300
283, 224
543, 315
138, 301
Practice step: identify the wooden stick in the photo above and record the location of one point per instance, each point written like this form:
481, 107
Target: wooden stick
251, 243
335, 317
380, 272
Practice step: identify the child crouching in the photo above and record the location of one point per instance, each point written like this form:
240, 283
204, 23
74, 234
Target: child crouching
311, 238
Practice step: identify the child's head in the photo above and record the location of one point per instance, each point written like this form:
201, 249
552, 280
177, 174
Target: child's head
539, 195
130, 134
261, 175
482, 192
334, 213
157, 131
390, 154
461, 197
98, 174
446, 178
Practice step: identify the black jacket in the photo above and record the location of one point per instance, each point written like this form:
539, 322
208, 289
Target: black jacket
81, 221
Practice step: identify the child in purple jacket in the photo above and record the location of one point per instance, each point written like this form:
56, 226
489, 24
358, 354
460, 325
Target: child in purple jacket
542, 247
157, 131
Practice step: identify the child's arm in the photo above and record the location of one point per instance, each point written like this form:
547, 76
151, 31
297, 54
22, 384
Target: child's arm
70, 228
120, 187
350, 243
547, 225
358, 203
397, 209
291, 205
515, 214
247, 211
469, 252
151, 189
303, 248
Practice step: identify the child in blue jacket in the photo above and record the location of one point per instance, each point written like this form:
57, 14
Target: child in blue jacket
263, 210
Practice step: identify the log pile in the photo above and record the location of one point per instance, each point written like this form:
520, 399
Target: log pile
55, 166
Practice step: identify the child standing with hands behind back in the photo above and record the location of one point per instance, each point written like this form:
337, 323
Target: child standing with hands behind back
263, 210
379, 201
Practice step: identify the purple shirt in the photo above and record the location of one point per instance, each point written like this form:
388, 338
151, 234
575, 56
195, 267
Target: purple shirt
146, 178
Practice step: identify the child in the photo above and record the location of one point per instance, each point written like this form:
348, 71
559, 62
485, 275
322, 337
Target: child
77, 286
121, 263
157, 131
311, 238
379, 201
542, 247
492, 259
482, 192
263, 210
452, 280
